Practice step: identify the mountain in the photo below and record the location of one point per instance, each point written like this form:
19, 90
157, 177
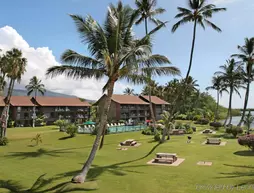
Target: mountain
20, 92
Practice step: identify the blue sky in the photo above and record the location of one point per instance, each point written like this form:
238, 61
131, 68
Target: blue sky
46, 24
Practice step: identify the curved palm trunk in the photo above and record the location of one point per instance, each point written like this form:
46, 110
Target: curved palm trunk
80, 178
216, 117
245, 101
230, 106
192, 49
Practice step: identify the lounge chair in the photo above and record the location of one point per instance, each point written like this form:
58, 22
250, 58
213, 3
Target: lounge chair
108, 125
119, 124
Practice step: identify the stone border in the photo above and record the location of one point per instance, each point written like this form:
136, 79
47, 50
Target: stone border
223, 143
175, 164
204, 163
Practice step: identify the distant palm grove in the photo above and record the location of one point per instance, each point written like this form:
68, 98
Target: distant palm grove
116, 54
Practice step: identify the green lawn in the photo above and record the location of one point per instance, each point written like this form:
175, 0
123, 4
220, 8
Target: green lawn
117, 171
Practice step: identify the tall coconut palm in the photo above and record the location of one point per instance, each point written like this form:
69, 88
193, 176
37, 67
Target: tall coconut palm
115, 54
198, 12
35, 85
128, 91
231, 75
217, 85
16, 68
146, 11
3, 72
246, 55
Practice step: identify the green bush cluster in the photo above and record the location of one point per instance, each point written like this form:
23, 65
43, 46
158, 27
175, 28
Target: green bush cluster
157, 137
202, 121
234, 130
71, 130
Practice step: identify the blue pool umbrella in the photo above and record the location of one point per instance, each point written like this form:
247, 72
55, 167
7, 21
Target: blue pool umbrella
89, 123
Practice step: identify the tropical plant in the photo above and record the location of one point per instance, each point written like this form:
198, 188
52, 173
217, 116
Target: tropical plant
248, 120
234, 130
16, 68
115, 54
168, 125
37, 139
146, 11
217, 85
128, 91
232, 76
4, 141
246, 55
71, 130
198, 12
35, 85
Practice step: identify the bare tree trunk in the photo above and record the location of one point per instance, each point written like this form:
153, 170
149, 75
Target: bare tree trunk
216, 116
164, 134
245, 101
81, 177
229, 107
151, 108
34, 113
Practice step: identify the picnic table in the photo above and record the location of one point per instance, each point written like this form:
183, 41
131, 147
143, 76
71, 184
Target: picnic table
129, 142
166, 157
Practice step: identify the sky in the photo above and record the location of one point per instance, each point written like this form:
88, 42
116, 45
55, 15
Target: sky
43, 30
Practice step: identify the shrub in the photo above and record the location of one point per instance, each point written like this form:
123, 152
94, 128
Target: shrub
197, 117
187, 126
37, 139
179, 125
216, 124
71, 130
194, 129
188, 131
61, 124
247, 141
202, 121
181, 117
147, 131
4, 141
157, 137
121, 121
234, 130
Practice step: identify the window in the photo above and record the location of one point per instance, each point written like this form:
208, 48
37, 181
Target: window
18, 115
52, 114
19, 109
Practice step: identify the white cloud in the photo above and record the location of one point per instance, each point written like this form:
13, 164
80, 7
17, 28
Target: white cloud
39, 59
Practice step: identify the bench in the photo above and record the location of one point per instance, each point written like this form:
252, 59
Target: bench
215, 141
208, 131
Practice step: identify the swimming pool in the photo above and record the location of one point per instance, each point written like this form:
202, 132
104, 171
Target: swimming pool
113, 129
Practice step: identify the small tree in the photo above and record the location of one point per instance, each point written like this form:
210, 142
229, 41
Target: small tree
61, 124
71, 130
248, 120
234, 130
168, 125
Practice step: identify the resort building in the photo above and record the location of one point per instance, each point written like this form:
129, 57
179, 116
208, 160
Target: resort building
54, 108
136, 108
158, 104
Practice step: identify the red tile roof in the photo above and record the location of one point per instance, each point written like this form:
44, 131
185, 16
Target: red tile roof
128, 99
155, 100
60, 101
20, 101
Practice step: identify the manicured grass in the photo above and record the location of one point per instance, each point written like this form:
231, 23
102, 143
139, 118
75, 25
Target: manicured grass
117, 171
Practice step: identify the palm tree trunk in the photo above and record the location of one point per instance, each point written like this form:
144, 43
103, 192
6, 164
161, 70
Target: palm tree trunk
34, 113
217, 107
80, 178
164, 135
230, 106
245, 101
192, 49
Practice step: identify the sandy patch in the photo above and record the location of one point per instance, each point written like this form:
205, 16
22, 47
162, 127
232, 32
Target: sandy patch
204, 163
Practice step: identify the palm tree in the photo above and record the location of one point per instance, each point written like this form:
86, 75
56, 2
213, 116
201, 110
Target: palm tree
115, 54
35, 85
16, 68
231, 77
168, 125
248, 120
3, 72
217, 85
129, 91
198, 12
246, 55
146, 11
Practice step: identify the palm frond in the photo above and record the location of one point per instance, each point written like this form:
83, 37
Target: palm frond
212, 25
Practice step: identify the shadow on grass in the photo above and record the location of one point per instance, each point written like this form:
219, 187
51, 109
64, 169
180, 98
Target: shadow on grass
40, 152
249, 172
40, 186
117, 169
244, 153
64, 138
